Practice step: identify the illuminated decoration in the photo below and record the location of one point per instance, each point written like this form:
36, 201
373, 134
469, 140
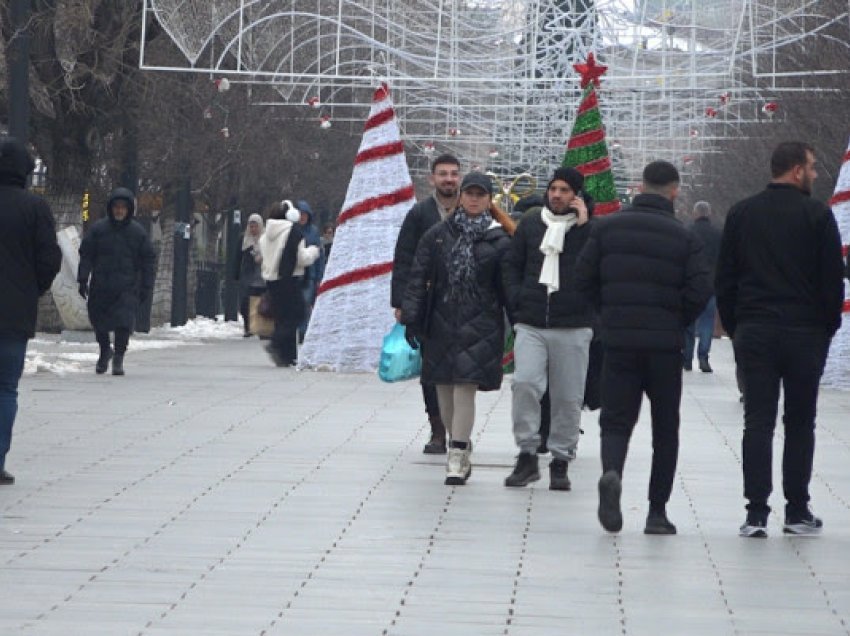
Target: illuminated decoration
85, 206
711, 112
325, 122
222, 84
454, 132
225, 132
429, 147
314, 102
724, 98
493, 153
770, 108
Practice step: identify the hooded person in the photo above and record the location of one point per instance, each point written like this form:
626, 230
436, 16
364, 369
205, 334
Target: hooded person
116, 274
553, 325
285, 257
248, 272
29, 261
314, 273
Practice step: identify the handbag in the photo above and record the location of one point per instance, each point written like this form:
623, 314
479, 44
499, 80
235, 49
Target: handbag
258, 324
264, 308
398, 360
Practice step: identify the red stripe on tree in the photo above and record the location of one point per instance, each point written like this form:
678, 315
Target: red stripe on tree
376, 203
589, 103
606, 207
594, 167
379, 152
846, 306
356, 276
379, 118
586, 139
846, 157
840, 197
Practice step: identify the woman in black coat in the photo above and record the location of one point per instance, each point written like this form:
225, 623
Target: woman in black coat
116, 274
454, 305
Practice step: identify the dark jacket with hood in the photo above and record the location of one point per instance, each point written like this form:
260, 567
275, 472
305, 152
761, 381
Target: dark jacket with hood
421, 218
119, 258
465, 340
310, 233
29, 255
645, 273
530, 300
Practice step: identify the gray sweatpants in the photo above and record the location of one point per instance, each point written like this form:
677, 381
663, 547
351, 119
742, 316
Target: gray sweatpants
557, 358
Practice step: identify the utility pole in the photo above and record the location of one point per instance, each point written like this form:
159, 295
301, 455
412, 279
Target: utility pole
19, 65
182, 236
231, 263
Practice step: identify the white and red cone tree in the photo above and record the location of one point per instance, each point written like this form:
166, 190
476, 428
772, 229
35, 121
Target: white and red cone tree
352, 312
838, 365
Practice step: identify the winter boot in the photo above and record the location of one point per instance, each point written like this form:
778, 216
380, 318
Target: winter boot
609, 513
6, 478
118, 364
525, 471
437, 443
558, 479
704, 366
102, 363
658, 523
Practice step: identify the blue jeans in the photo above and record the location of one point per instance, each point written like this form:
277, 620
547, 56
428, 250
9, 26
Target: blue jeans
13, 350
702, 328
309, 292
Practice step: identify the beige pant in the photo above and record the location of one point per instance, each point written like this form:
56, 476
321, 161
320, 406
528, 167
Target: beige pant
457, 408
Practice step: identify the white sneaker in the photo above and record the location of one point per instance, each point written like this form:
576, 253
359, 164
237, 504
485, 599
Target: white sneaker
458, 466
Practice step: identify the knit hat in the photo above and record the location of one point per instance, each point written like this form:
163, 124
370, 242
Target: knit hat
572, 176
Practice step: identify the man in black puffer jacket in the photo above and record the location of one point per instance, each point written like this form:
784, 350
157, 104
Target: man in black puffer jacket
553, 328
646, 274
445, 177
119, 257
29, 261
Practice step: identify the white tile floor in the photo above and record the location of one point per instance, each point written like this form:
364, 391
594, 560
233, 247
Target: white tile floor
209, 493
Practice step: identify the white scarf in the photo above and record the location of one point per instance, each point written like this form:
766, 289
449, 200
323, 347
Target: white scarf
557, 226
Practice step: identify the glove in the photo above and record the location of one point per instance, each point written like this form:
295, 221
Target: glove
84, 289
410, 336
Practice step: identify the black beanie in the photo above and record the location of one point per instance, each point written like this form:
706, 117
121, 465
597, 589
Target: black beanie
570, 175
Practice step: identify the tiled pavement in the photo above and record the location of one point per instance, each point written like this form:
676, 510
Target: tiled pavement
209, 493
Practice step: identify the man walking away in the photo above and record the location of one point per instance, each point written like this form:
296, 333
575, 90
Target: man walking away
702, 328
29, 261
445, 179
780, 293
553, 330
645, 273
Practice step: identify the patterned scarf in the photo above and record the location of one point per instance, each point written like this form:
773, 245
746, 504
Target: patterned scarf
463, 270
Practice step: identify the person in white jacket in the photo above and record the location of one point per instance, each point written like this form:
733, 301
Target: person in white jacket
284, 258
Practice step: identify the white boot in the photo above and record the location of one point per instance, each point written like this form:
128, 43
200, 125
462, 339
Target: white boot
458, 466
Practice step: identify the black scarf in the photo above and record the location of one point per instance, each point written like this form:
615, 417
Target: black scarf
463, 269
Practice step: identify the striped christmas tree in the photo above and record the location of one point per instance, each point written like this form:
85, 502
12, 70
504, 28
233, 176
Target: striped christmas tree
352, 312
587, 151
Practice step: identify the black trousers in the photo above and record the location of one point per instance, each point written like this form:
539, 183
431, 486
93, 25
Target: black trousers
288, 306
122, 339
626, 375
429, 395
767, 356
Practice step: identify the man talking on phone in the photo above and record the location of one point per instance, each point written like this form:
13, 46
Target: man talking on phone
553, 327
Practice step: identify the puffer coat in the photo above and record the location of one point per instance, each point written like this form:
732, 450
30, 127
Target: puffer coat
464, 341
119, 257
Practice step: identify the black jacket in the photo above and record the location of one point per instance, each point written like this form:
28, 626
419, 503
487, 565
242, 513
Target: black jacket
645, 272
780, 262
530, 301
29, 255
465, 340
710, 237
421, 217
119, 257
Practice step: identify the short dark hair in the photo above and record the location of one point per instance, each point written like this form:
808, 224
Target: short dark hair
447, 158
660, 174
787, 155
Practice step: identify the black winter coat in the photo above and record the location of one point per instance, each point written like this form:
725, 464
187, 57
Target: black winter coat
710, 237
780, 262
421, 218
530, 301
646, 274
29, 255
465, 340
119, 257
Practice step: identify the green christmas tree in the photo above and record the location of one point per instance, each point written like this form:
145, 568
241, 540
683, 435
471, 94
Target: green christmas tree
587, 151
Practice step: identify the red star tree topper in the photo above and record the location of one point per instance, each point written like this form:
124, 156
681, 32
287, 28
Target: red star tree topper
590, 71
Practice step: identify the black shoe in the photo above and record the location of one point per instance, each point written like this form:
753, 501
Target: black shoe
102, 363
687, 365
247, 334
525, 471
118, 364
543, 448
6, 478
436, 446
278, 359
658, 523
803, 524
558, 479
609, 512
704, 366
755, 527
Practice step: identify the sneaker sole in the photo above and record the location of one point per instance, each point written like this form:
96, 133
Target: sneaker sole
801, 531
659, 531
610, 515
753, 533
562, 487
434, 450
458, 480
523, 483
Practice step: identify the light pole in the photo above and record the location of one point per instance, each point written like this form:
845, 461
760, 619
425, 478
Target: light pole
19, 64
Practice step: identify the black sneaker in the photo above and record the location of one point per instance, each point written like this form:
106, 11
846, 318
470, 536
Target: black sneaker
435, 446
658, 523
6, 478
118, 364
755, 527
558, 479
609, 512
525, 471
805, 525
687, 365
102, 363
704, 366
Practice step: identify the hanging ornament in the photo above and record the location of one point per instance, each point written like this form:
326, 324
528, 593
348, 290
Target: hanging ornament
314, 102
616, 145
428, 147
325, 122
694, 133
225, 132
208, 113
688, 160
493, 153
454, 132
222, 84
711, 112
770, 108
724, 98
475, 167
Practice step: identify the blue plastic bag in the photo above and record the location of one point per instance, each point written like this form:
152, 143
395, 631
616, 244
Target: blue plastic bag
398, 360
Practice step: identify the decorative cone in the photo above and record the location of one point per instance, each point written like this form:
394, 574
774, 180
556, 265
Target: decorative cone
587, 151
837, 369
352, 314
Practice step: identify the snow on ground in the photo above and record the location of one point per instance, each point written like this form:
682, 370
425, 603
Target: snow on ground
50, 353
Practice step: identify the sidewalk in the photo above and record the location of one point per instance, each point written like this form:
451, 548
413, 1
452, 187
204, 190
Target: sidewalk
209, 493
